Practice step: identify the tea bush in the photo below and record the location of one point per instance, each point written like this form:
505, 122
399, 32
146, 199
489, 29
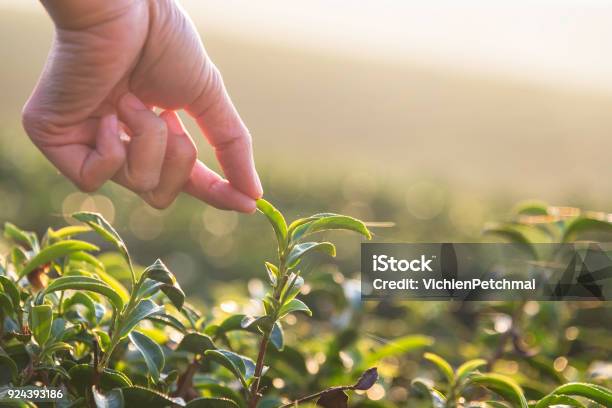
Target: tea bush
111, 334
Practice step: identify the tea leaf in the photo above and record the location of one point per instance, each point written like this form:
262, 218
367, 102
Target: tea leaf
136, 396
503, 386
29, 239
556, 400
81, 378
593, 392
196, 343
276, 219
426, 388
151, 352
70, 231
400, 346
367, 379
242, 367
294, 305
582, 225
111, 399
8, 370
531, 207
442, 365
85, 283
144, 309
10, 289
211, 403
99, 224
331, 222
300, 250
468, 368
333, 398
41, 318
277, 337
55, 251
168, 320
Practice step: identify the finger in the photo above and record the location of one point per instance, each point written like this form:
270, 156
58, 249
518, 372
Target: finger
219, 121
147, 146
181, 155
88, 167
206, 185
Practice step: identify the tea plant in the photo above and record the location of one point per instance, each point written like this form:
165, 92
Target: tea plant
462, 384
66, 321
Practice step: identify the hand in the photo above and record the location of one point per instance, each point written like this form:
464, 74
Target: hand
113, 61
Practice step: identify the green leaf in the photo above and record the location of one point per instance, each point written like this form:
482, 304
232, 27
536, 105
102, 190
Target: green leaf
555, 400
81, 378
294, 305
99, 224
10, 288
442, 365
20, 236
331, 222
143, 310
70, 231
41, 318
151, 352
524, 236
160, 273
136, 396
80, 298
196, 343
468, 368
583, 225
242, 367
6, 305
273, 273
426, 388
399, 347
58, 250
211, 403
87, 258
502, 385
298, 251
168, 320
111, 399
55, 347
8, 370
594, 392
88, 284
276, 219
277, 337
531, 207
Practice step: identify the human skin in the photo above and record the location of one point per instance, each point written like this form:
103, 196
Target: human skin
111, 63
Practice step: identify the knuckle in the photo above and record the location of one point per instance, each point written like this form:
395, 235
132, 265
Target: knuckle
142, 183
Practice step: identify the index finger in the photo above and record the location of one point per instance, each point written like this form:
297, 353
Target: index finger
220, 123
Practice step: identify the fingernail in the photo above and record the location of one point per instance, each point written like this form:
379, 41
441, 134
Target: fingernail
258, 186
174, 123
133, 102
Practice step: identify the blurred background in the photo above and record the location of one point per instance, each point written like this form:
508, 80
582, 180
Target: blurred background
433, 117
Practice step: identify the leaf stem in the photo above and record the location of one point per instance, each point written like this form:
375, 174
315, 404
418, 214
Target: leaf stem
316, 395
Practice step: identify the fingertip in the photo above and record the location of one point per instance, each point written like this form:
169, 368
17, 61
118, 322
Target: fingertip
175, 126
